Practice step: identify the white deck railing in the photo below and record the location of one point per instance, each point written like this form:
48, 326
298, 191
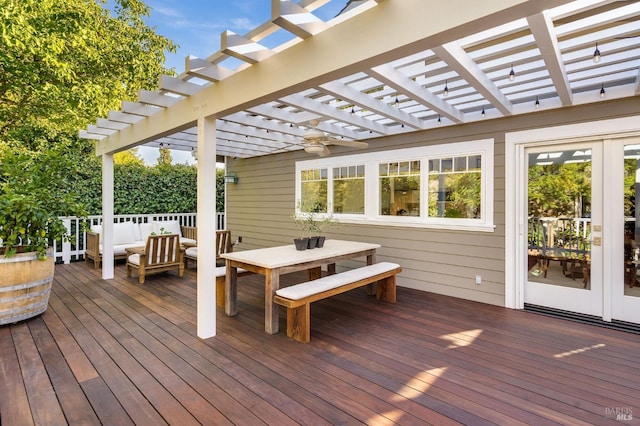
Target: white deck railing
73, 249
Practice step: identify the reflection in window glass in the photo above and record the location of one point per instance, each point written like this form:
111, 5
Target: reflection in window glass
631, 223
400, 188
455, 187
348, 190
313, 190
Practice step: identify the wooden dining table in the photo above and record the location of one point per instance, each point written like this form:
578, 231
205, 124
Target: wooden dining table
272, 262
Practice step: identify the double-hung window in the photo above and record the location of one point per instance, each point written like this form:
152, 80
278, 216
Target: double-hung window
441, 186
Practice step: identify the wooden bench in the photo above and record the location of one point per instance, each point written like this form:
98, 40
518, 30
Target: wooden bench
298, 298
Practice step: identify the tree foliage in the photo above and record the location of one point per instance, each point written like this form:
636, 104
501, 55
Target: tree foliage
62, 64
65, 62
558, 190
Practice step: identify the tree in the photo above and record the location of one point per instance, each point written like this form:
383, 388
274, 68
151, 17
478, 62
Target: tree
65, 62
164, 159
129, 156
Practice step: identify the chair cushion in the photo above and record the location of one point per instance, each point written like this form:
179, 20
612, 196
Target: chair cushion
167, 227
123, 233
221, 271
191, 252
134, 259
136, 232
184, 240
145, 230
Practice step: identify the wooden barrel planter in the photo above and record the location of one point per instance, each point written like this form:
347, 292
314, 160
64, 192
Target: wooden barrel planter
25, 285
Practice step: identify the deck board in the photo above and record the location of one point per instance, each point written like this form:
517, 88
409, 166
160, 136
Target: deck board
116, 352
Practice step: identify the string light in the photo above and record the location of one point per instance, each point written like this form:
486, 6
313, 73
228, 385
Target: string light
512, 74
602, 92
537, 103
596, 54
446, 88
482, 113
439, 119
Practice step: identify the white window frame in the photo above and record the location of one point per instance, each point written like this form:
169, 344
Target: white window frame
371, 160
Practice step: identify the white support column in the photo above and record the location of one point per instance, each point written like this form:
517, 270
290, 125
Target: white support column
106, 237
206, 222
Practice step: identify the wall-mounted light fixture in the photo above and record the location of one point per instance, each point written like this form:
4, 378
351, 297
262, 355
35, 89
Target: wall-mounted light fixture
231, 178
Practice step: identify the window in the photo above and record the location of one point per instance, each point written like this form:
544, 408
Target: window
400, 188
314, 190
440, 186
455, 187
348, 189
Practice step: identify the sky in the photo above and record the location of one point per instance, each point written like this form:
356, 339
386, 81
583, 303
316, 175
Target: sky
196, 27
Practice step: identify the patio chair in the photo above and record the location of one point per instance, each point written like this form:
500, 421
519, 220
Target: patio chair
161, 253
223, 245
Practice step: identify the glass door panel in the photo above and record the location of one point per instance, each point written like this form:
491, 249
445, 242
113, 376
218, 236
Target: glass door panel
625, 286
561, 200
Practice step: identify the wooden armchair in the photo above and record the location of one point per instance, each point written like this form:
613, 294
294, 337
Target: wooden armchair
223, 245
161, 253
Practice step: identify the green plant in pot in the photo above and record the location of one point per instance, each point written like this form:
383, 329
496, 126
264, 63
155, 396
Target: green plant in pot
302, 241
33, 196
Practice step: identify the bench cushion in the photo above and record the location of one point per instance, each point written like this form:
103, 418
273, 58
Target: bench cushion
306, 289
221, 271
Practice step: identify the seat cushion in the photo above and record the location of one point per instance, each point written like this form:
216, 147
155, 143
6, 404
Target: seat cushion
191, 252
134, 259
328, 282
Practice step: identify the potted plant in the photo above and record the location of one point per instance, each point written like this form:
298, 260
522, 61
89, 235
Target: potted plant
32, 199
302, 241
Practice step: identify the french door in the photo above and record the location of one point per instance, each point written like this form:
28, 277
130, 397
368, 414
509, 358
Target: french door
564, 237
583, 228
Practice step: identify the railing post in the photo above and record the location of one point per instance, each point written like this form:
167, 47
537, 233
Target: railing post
66, 245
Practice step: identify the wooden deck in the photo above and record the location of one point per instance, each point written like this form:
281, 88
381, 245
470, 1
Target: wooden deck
115, 352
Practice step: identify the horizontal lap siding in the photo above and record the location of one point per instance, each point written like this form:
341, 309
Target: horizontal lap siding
259, 208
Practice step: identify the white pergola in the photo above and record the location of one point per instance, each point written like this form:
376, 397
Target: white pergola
383, 67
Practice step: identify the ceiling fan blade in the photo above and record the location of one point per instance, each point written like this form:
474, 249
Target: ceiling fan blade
324, 152
353, 144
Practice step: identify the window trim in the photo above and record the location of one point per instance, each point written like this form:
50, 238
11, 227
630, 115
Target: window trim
370, 160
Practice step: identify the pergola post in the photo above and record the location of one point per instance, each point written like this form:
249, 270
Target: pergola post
206, 222
107, 216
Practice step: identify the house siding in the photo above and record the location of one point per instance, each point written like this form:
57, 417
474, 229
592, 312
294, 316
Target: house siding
259, 207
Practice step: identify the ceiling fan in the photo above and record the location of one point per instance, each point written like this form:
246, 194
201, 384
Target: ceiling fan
316, 141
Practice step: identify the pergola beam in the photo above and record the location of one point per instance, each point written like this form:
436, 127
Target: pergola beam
543, 32
403, 84
456, 57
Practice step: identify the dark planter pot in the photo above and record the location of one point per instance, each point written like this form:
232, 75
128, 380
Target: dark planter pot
313, 242
301, 243
320, 243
